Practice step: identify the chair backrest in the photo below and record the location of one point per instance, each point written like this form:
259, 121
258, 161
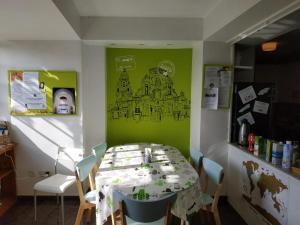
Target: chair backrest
213, 170
99, 151
196, 158
145, 211
69, 156
85, 166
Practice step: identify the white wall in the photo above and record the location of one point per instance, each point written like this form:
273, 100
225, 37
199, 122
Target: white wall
215, 123
94, 100
196, 96
37, 138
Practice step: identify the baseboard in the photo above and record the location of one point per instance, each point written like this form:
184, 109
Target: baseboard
44, 197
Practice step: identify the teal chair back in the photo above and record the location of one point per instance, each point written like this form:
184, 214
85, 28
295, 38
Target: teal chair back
99, 151
196, 158
213, 170
146, 211
85, 166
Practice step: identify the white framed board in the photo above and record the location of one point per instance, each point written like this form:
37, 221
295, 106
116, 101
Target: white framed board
217, 86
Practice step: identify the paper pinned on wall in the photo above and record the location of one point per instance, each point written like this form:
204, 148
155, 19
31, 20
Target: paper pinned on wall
224, 95
261, 107
243, 109
248, 116
225, 78
211, 98
247, 94
264, 91
212, 79
25, 92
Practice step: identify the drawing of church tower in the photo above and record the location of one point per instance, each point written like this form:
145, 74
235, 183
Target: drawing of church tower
124, 92
124, 95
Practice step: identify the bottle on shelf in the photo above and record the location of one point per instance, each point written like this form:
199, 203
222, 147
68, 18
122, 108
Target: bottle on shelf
251, 139
295, 154
287, 155
269, 144
277, 151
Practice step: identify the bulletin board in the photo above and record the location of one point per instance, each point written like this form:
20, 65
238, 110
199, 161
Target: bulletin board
217, 86
42, 93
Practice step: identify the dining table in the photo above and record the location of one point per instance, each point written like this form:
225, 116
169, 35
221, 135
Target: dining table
146, 171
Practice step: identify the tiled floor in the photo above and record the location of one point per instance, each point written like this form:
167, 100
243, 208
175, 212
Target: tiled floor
22, 214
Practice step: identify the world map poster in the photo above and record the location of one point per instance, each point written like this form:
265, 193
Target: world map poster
148, 96
265, 192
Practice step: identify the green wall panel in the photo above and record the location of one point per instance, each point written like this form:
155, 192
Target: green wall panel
148, 96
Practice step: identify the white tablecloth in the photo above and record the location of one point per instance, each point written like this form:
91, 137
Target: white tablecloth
123, 168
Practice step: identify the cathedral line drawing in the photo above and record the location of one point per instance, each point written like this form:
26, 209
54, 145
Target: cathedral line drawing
155, 100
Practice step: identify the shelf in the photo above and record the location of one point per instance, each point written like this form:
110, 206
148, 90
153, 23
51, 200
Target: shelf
6, 203
244, 67
5, 172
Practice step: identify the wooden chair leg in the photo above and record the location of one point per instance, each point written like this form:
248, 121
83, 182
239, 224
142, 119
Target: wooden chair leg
113, 218
79, 215
217, 217
89, 215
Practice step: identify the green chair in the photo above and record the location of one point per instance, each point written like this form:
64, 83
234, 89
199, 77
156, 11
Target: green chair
196, 158
150, 212
214, 172
99, 151
87, 200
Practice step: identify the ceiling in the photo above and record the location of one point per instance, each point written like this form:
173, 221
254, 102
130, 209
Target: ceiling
282, 26
33, 20
146, 8
288, 50
286, 32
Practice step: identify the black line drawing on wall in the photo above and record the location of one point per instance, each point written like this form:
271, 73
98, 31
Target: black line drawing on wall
155, 100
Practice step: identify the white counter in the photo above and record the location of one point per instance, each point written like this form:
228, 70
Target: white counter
261, 192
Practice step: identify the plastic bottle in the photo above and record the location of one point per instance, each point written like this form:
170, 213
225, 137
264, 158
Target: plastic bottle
287, 155
269, 144
277, 149
256, 145
295, 154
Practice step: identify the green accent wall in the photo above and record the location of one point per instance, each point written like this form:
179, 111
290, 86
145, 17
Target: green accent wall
148, 96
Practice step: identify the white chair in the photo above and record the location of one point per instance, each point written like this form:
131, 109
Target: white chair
55, 184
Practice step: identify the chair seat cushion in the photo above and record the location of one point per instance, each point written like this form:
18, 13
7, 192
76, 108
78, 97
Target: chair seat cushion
132, 222
57, 184
206, 199
91, 196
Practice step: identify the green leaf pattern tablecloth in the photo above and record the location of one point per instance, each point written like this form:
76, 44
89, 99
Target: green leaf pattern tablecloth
123, 168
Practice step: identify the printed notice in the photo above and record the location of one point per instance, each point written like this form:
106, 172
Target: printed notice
225, 78
248, 116
261, 107
212, 78
210, 98
247, 94
224, 95
25, 92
